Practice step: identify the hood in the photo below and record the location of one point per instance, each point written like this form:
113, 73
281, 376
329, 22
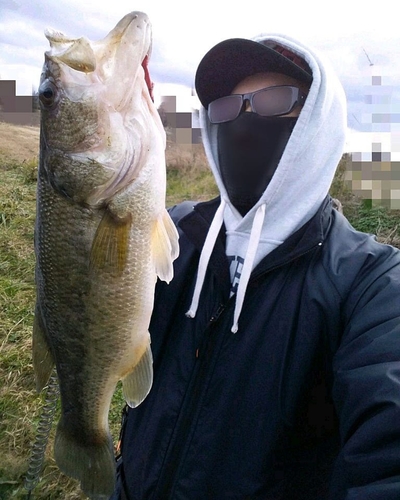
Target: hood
302, 178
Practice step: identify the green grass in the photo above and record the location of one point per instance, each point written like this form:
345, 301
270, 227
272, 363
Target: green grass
378, 220
188, 178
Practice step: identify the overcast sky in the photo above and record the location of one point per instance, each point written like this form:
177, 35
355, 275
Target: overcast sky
353, 34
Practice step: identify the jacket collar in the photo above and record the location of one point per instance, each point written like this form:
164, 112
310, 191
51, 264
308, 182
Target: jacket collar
311, 235
196, 224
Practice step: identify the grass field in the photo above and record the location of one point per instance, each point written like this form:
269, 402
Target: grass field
188, 178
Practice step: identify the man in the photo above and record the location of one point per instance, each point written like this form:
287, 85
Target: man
277, 344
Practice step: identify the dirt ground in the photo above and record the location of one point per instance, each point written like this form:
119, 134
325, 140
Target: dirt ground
19, 142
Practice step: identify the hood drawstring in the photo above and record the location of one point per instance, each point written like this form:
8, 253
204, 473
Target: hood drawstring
248, 263
247, 266
205, 257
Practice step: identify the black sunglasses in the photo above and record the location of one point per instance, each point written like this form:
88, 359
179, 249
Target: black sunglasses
271, 101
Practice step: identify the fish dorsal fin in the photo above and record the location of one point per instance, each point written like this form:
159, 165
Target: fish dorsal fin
165, 246
78, 55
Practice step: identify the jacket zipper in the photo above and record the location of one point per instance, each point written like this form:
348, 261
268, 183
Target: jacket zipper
194, 394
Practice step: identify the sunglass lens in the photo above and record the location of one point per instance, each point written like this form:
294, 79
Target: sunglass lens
273, 101
224, 109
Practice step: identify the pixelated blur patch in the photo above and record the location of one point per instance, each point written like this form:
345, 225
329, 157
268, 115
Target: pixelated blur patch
182, 127
376, 179
374, 173
17, 109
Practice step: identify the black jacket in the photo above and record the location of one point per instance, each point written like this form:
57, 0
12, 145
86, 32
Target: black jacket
303, 402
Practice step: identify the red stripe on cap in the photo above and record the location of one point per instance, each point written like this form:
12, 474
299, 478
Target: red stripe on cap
292, 57
147, 78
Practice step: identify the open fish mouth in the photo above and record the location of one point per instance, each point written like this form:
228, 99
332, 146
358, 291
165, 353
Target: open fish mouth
147, 77
114, 73
117, 56
134, 17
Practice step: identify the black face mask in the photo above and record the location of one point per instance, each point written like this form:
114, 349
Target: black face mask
249, 150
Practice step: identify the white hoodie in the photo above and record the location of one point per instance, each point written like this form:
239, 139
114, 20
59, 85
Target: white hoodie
299, 185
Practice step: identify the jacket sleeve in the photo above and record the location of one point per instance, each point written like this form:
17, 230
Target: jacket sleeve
366, 388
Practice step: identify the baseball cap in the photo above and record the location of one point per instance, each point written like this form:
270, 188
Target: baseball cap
232, 60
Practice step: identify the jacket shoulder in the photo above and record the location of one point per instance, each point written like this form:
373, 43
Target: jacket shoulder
345, 240
177, 212
352, 256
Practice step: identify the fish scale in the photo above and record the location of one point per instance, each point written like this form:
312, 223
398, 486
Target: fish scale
102, 237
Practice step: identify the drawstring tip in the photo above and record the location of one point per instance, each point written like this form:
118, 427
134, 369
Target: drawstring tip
191, 313
234, 328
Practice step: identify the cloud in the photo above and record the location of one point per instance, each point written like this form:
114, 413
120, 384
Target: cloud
349, 36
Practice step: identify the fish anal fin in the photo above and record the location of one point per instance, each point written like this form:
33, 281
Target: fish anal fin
42, 358
90, 460
137, 384
165, 246
111, 243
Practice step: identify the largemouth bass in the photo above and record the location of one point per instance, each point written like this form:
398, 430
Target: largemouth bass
102, 237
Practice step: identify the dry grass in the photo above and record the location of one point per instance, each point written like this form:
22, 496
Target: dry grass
188, 174
19, 143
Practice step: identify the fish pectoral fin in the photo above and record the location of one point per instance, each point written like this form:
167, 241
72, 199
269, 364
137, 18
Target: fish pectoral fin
137, 384
42, 358
111, 243
172, 233
165, 246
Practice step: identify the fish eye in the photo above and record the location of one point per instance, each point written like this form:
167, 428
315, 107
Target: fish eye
47, 93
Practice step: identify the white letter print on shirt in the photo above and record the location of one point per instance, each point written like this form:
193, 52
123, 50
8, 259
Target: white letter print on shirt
235, 267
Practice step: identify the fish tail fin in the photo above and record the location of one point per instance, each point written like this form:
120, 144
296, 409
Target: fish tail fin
137, 384
165, 246
92, 461
42, 358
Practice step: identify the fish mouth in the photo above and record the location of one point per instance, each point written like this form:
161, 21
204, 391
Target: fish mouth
131, 35
134, 31
130, 41
139, 18
142, 21
149, 83
112, 72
